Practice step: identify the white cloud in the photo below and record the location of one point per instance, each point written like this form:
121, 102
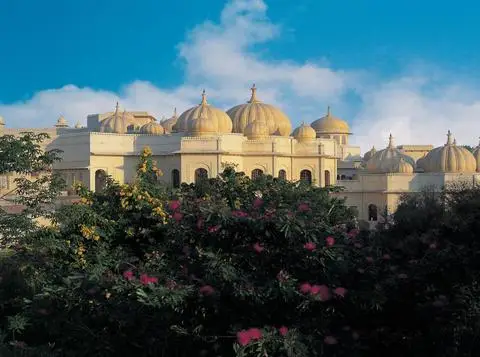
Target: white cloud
227, 56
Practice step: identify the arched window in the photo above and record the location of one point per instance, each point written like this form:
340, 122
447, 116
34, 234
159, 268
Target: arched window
201, 175
372, 212
343, 177
100, 180
327, 178
338, 177
175, 178
306, 176
282, 174
256, 174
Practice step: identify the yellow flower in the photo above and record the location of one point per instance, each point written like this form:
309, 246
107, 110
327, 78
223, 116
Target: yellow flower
89, 232
146, 151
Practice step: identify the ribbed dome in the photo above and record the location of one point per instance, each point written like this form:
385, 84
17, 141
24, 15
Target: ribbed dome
61, 122
257, 130
244, 114
117, 123
221, 121
476, 155
449, 158
389, 160
330, 125
369, 154
402, 167
202, 126
304, 133
169, 123
152, 128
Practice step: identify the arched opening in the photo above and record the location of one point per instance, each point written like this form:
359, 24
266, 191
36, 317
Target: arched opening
282, 174
343, 177
256, 173
372, 212
327, 178
175, 178
201, 175
100, 180
306, 176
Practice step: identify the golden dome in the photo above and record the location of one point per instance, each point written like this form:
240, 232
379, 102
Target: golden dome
257, 130
152, 128
169, 123
449, 158
330, 125
61, 122
476, 155
117, 123
390, 160
369, 154
221, 121
202, 126
244, 114
304, 133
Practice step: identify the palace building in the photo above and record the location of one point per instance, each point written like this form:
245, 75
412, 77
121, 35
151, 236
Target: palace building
259, 139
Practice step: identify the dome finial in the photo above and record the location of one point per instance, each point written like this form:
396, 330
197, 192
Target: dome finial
253, 98
329, 114
454, 141
390, 141
449, 138
175, 112
204, 98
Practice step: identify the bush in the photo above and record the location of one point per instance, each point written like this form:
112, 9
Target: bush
240, 267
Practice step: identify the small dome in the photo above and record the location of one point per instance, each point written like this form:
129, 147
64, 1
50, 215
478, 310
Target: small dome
476, 155
2, 121
257, 130
449, 158
61, 122
369, 154
389, 160
245, 114
78, 125
402, 167
330, 125
152, 128
202, 126
169, 123
304, 133
221, 121
117, 123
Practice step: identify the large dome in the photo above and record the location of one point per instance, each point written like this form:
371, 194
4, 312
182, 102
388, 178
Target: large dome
330, 125
449, 158
117, 123
244, 114
221, 121
390, 160
202, 125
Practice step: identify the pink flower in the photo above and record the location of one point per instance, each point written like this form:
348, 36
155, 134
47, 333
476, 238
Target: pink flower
330, 340
330, 241
239, 214
214, 229
340, 291
258, 247
386, 256
174, 205
243, 338
178, 216
206, 290
321, 290
305, 288
303, 207
283, 330
145, 279
255, 333
257, 202
369, 259
353, 233
282, 276
128, 275
310, 246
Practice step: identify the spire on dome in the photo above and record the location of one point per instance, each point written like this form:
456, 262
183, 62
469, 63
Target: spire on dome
329, 114
390, 141
449, 138
253, 98
175, 112
204, 98
454, 141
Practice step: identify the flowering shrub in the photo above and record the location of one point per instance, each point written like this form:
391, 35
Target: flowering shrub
239, 268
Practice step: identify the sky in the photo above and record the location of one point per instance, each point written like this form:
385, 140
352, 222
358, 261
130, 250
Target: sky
410, 68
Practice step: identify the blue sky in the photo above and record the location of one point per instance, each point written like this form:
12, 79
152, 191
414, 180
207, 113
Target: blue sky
382, 65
